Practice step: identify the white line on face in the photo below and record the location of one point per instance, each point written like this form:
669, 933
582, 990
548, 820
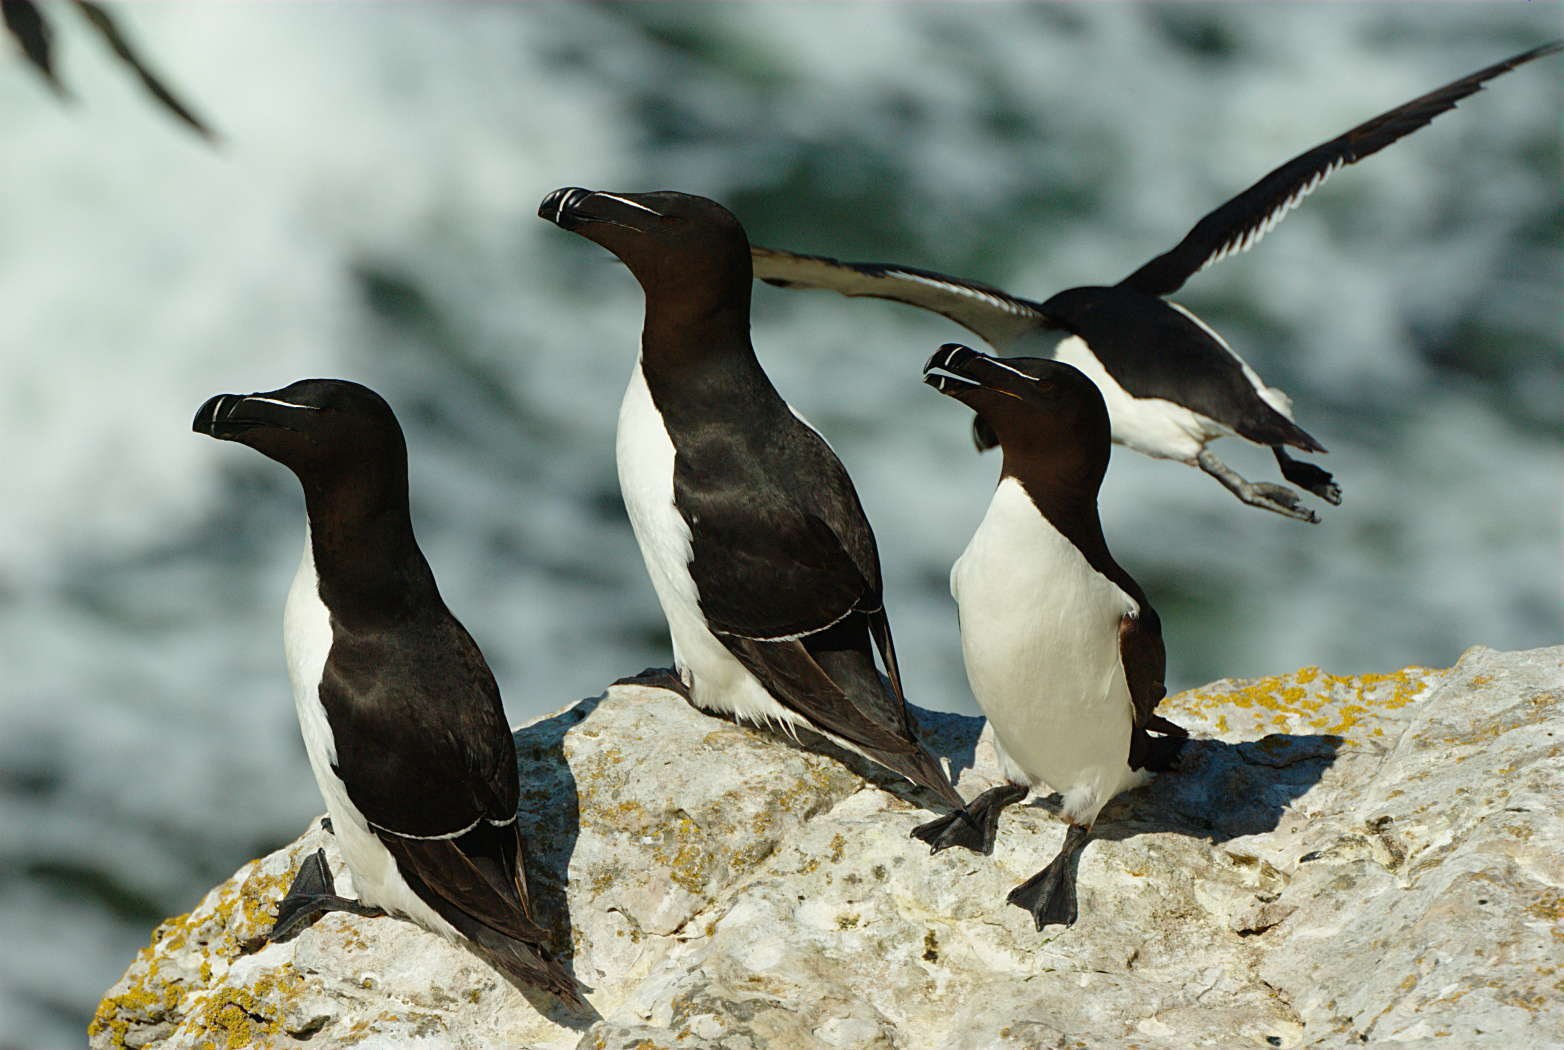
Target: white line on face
217, 407
284, 404
627, 201
997, 363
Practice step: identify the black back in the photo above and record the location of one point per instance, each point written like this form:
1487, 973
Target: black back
1155, 351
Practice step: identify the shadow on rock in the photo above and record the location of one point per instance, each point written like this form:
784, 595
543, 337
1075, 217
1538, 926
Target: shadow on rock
549, 817
1222, 791
949, 737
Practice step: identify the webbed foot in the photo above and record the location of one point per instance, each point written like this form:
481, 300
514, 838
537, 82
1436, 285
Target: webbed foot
1050, 894
1309, 477
1276, 498
659, 678
975, 825
312, 894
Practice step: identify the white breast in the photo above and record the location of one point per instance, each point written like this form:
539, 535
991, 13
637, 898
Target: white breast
645, 457
306, 640
1040, 634
1152, 426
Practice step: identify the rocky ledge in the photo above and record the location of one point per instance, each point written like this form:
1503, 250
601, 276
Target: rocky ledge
1338, 861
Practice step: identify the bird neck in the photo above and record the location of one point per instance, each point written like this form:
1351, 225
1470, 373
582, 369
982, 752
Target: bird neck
688, 343
367, 560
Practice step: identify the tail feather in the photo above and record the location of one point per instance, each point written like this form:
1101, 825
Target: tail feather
527, 965
922, 769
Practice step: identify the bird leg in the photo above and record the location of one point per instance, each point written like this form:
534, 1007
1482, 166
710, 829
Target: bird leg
1050, 894
659, 678
312, 895
974, 825
1308, 477
1278, 498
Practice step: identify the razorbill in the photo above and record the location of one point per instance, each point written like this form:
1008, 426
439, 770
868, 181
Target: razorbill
1172, 384
751, 530
1063, 651
400, 714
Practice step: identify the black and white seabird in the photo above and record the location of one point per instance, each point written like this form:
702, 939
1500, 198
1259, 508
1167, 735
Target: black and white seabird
751, 530
1172, 384
1063, 651
400, 713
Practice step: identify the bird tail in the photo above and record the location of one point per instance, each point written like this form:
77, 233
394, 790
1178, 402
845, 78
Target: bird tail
526, 965
923, 769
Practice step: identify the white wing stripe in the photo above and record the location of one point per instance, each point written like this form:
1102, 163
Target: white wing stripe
1243, 241
428, 838
960, 289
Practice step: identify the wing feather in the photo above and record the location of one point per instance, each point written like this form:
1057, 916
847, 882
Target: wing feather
993, 314
1239, 224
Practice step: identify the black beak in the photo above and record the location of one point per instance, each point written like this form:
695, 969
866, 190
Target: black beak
215, 418
572, 207
952, 359
558, 207
226, 416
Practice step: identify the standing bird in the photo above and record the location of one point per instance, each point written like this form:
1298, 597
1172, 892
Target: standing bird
1063, 651
752, 532
401, 716
1172, 384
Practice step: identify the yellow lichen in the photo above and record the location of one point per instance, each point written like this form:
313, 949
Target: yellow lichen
1308, 699
240, 1017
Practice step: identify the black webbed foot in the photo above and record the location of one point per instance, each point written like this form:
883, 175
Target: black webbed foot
325, 825
1050, 894
973, 826
1277, 498
1308, 477
659, 678
313, 894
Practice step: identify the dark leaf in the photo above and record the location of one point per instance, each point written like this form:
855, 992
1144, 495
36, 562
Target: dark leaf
100, 20
24, 21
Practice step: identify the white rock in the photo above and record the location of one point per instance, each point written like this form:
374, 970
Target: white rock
1339, 861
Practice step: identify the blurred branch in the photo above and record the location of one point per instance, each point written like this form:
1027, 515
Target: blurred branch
24, 21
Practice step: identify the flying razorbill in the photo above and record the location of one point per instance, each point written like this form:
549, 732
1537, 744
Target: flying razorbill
1063, 651
401, 716
751, 530
1172, 384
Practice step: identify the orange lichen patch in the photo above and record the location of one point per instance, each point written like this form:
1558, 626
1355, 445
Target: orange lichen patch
1307, 699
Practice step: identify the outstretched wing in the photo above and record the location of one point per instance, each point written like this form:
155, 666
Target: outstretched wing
1239, 224
996, 316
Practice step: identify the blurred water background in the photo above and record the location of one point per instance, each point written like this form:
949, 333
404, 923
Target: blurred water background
370, 214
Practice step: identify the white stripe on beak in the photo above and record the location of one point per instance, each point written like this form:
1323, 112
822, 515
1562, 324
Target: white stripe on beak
627, 201
274, 401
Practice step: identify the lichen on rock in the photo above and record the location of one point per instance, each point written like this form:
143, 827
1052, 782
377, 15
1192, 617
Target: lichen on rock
1339, 860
